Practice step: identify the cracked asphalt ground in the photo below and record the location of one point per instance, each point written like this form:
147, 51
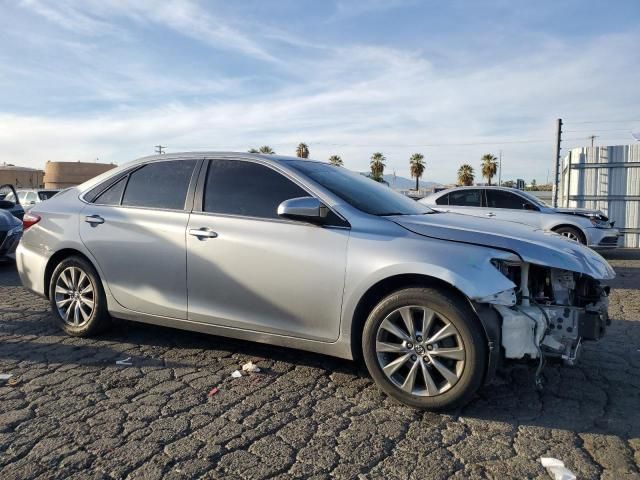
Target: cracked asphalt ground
73, 413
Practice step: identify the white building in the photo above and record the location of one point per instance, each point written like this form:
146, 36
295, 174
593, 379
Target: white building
608, 179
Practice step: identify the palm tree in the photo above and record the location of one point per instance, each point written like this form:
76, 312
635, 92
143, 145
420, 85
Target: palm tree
336, 160
253, 150
417, 166
489, 166
267, 150
465, 175
302, 151
377, 166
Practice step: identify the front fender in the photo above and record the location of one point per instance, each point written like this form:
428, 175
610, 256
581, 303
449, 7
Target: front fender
466, 268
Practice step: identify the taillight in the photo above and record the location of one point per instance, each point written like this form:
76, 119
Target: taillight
29, 220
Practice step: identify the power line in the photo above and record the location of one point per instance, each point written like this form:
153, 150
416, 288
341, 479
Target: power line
160, 149
605, 121
600, 130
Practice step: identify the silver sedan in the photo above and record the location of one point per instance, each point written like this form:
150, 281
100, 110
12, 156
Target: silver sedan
589, 227
303, 254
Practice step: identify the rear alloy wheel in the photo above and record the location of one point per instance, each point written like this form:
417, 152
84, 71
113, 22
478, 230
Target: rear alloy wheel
77, 298
572, 234
425, 349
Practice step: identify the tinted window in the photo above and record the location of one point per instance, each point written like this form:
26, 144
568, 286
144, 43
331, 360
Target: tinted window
245, 188
113, 194
159, 185
46, 194
443, 200
465, 198
361, 192
502, 199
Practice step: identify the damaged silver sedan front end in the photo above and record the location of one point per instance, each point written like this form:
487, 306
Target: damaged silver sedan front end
550, 312
558, 297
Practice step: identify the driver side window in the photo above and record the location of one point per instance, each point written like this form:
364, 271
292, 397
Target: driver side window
249, 189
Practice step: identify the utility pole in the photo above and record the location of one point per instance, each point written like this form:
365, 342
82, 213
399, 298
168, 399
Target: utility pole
160, 149
556, 161
500, 170
592, 137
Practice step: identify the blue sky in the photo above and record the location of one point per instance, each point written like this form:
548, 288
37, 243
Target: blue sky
109, 79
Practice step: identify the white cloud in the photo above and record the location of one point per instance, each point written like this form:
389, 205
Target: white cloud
351, 100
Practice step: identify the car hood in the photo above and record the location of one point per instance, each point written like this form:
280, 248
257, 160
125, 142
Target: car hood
530, 244
578, 211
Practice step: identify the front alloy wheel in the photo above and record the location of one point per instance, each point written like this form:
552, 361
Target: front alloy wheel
420, 351
426, 348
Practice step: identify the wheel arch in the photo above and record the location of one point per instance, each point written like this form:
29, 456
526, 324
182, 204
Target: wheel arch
384, 287
573, 226
58, 257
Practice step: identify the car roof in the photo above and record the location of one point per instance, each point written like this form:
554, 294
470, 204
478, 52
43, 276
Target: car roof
223, 154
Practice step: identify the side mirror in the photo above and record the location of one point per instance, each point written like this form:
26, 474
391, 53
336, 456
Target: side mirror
528, 206
32, 202
6, 204
308, 209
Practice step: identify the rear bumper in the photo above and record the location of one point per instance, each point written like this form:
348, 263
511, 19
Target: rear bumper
603, 238
31, 265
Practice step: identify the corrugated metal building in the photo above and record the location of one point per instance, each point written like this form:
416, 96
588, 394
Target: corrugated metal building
608, 179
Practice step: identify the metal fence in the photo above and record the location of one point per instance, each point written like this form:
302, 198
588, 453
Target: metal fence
608, 179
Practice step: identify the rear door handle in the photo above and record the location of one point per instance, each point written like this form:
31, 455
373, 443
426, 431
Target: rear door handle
202, 233
94, 219
491, 214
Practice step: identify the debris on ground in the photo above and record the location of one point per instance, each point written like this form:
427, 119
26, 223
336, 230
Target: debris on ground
557, 469
250, 367
5, 376
213, 391
236, 374
125, 362
13, 382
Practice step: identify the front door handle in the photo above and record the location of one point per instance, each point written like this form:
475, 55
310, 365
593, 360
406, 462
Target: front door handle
491, 214
202, 233
94, 219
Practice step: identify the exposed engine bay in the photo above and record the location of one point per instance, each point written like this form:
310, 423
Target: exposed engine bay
551, 313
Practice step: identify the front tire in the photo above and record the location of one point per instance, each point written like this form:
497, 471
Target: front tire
77, 298
425, 348
572, 234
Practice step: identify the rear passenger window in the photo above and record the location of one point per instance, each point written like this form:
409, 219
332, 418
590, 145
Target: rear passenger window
443, 200
113, 194
159, 185
465, 198
245, 188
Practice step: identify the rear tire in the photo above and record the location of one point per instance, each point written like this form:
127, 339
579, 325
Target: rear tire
438, 365
572, 234
77, 298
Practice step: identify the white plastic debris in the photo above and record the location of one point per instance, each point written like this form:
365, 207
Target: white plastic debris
250, 367
5, 376
125, 361
557, 469
236, 374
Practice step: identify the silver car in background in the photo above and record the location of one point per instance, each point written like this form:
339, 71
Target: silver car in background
589, 227
303, 254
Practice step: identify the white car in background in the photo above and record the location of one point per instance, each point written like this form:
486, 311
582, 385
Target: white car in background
589, 227
29, 197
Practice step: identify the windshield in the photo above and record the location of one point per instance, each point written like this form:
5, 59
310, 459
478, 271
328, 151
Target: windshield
534, 199
359, 191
